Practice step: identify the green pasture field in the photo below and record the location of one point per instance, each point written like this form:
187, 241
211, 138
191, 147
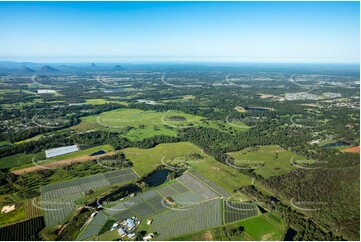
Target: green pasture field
146, 160
221, 174
263, 227
276, 160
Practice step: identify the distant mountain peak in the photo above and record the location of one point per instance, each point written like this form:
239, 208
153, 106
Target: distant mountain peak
27, 70
118, 67
48, 69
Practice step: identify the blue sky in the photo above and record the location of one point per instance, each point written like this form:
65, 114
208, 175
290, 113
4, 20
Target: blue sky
214, 31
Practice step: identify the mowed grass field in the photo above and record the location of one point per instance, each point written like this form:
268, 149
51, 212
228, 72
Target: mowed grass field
146, 160
263, 227
20, 161
276, 160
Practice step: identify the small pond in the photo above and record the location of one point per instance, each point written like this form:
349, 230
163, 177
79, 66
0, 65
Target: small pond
157, 178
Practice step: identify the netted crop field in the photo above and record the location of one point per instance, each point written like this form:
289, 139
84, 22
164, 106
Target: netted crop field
187, 198
179, 222
55, 213
197, 186
144, 205
166, 191
57, 200
87, 183
234, 211
94, 227
211, 184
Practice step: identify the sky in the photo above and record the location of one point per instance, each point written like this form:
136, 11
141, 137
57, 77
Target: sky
180, 31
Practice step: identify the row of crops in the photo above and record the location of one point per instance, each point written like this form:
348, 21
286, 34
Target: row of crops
196, 218
87, 183
94, 227
31, 211
25, 230
234, 211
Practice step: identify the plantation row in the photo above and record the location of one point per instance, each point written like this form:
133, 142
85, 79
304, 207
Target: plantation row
31, 211
25, 230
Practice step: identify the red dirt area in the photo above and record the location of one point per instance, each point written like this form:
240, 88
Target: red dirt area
355, 149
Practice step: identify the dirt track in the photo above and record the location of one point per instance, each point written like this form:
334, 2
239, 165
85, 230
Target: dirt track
60, 163
355, 149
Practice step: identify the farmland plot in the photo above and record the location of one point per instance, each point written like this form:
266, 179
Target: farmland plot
187, 198
197, 186
166, 191
211, 184
25, 230
31, 211
55, 213
179, 222
143, 205
234, 211
87, 183
94, 227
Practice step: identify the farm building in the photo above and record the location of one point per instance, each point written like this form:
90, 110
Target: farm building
61, 151
121, 232
130, 224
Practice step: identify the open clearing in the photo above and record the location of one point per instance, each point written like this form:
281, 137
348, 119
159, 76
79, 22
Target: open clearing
270, 160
